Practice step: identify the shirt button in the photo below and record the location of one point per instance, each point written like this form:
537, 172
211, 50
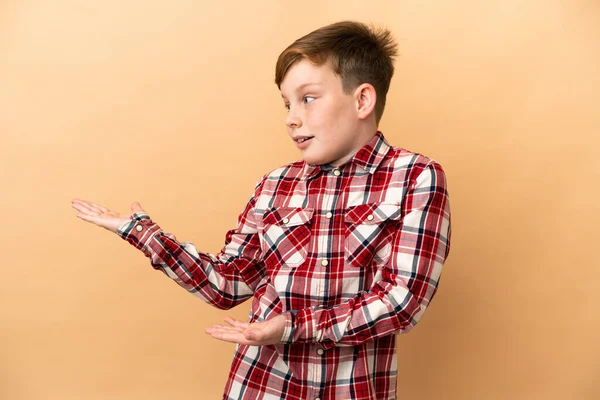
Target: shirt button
286, 220
337, 172
320, 352
167, 257
139, 228
329, 215
370, 217
324, 263
317, 398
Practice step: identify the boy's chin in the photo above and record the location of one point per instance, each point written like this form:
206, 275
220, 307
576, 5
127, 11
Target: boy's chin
315, 160
319, 160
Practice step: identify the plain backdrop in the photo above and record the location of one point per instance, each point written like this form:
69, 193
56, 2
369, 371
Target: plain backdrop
172, 104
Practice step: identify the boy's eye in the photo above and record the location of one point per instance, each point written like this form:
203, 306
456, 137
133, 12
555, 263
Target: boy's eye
305, 99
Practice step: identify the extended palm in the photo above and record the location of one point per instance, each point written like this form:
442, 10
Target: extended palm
253, 334
101, 216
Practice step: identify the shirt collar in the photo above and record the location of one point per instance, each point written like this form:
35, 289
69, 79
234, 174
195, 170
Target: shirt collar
369, 157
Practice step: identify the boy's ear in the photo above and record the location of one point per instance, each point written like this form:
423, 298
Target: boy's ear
365, 96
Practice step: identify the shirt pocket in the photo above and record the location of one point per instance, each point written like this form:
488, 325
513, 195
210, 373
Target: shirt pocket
286, 236
369, 231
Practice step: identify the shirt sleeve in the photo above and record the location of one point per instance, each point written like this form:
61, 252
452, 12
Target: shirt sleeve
409, 281
223, 280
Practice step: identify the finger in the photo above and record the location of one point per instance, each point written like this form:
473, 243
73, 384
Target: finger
234, 337
86, 205
84, 209
236, 323
82, 202
91, 206
225, 329
96, 209
99, 207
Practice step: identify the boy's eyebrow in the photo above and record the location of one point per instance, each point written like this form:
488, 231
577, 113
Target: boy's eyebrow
299, 88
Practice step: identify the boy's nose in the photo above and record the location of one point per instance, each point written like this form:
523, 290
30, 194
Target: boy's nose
292, 120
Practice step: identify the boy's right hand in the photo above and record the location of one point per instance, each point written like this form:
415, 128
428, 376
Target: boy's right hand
101, 216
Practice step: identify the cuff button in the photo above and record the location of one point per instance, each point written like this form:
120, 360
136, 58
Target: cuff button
139, 228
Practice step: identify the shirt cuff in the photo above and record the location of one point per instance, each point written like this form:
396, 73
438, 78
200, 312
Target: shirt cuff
139, 231
288, 328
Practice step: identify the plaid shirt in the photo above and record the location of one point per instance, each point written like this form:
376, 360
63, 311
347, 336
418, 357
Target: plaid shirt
350, 255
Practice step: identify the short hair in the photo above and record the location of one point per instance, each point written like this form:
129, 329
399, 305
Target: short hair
356, 52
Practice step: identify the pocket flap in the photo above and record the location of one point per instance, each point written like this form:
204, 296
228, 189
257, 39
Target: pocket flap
374, 213
287, 216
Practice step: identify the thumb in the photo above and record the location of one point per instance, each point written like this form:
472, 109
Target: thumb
252, 335
136, 207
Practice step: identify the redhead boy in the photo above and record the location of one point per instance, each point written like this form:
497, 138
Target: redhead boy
339, 251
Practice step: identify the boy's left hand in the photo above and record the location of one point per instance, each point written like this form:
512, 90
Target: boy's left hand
253, 334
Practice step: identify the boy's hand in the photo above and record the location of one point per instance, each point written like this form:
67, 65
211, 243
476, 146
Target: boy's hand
254, 334
101, 216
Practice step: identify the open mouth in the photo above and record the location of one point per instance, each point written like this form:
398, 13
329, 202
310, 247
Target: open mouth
302, 140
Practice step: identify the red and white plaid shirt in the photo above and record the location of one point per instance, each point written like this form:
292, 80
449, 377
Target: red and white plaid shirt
350, 255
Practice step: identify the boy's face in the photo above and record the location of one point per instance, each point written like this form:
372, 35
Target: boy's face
320, 112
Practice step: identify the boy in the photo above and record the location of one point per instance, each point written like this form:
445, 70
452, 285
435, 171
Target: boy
339, 251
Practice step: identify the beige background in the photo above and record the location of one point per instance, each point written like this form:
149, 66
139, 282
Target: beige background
172, 103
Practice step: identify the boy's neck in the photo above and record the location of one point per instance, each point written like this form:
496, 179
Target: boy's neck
363, 139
